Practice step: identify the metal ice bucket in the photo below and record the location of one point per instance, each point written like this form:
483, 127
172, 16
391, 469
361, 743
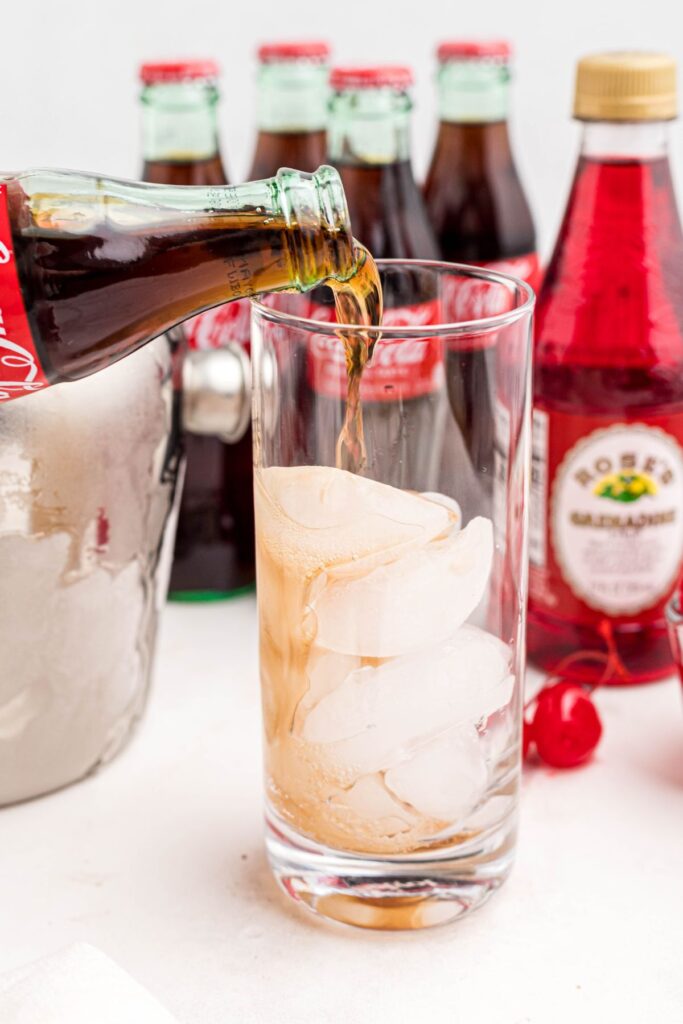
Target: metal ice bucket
89, 486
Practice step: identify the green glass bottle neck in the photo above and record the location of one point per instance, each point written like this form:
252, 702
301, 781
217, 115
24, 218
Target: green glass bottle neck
292, 96
369, 126
179, 121
472, 91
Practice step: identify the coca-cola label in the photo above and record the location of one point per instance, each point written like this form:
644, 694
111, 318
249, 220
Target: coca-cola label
527, 267
606, 513
400, 368
20, 369
475, 298
220, 326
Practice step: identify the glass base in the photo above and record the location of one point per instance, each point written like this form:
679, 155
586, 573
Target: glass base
390, 893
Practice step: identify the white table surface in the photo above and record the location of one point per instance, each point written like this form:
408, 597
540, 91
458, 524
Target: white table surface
158, 861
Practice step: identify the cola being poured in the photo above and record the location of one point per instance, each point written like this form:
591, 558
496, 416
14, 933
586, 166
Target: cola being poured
358, 303
92, 268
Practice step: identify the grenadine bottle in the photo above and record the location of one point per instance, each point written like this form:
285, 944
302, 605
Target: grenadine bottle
214, 549
369, 144
292, 92
606, 540
93, 268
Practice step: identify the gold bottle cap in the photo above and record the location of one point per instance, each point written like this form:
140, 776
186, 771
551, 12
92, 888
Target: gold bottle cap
626, 87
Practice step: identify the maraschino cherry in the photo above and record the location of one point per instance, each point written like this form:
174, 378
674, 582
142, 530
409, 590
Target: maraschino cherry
565, 727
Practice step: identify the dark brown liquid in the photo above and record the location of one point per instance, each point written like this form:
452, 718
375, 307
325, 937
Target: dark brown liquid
94, 297
480, 214
214, 548
388, 213
304, 151
389, 218
207, 171
474, 196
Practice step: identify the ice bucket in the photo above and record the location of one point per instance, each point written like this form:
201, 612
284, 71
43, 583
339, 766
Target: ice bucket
88, 479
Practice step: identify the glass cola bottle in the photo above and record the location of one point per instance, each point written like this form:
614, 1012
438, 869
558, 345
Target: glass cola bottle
481, 216
473, 191
369, 144
92, 268
214, 551
292, 91
606, 523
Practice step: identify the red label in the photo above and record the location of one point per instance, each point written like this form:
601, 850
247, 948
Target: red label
606, 514
400, 368
20, 369
526, 267
219, 326
475, 298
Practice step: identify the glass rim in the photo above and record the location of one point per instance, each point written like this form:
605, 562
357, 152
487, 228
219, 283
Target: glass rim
482, 325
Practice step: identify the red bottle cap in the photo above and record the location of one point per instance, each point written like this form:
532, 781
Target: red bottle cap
178, 71
473, 49
389, 76
272, 53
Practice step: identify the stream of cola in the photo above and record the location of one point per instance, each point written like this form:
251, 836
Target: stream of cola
357, 301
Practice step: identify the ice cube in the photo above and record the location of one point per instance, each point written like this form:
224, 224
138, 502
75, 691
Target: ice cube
326, 671
416, 600
447, 502
369, 798
380, 714
312, 517
445, 779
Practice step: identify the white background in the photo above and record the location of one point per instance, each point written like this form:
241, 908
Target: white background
69, 90
158, 861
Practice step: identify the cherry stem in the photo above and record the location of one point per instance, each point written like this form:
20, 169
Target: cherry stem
614, 666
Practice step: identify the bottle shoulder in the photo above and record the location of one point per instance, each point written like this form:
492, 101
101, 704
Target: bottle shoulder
478, 206
388, 212
273, 150
613, 293
206, 171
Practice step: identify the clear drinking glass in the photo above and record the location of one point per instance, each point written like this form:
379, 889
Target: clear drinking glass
391, 602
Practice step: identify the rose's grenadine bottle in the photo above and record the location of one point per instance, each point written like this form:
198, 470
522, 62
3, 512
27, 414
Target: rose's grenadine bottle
291, 107
369, 143
607, 488
92, 268
214, 550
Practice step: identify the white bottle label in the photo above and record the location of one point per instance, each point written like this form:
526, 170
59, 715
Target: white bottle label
617, 517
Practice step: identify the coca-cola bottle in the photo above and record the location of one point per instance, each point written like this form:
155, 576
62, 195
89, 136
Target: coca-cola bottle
369, 143
214, 551
606, 540
292, 93
473, 191
480, 214
92, 268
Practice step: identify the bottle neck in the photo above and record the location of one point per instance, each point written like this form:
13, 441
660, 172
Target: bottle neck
292, 96
633, 140
369, 126
179, 121
473, 91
